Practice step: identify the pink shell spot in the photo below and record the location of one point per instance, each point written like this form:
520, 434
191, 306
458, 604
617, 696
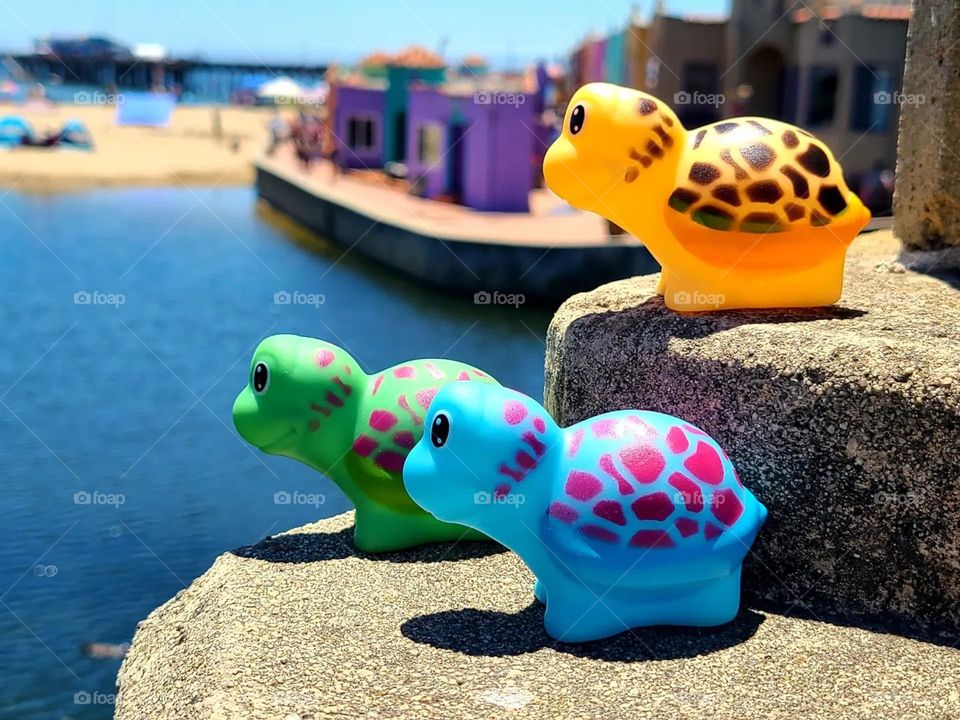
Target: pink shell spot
677, 440
606, 464
530, 439
435, 372
390, 461
348, 370
313, 425
655, 506
323, 358
376, 384
610, 510
582, 485
598, 533
364, 445
479, 373
575, 439
726, 507
525, 460
540, 425
402, 402
690, 492
643, 461
425, 397
606, 428
404, 439
382, 420
695, 430
687, 526
651, 539
505, 469
562, 512
711, 531
501, 491
463, 375
334, 400
705, 464
514, 412
404, 371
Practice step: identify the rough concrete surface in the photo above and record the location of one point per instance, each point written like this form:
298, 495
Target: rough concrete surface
927, 199
845, 421
301, 626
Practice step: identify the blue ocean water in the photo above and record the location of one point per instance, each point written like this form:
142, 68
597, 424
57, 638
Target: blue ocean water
128, 319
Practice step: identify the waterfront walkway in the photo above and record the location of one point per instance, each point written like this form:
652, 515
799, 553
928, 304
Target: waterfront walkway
551, 222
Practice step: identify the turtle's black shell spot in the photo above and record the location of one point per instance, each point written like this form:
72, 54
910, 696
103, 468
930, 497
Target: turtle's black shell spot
790, 138
704, 173
700, 136
646, 106
815, 160
759, 128
818, 219
682, 198
832, 199
723, 128
631, 174
801, 188
758, 155
765, 191
794, 211
727, 194
654, 149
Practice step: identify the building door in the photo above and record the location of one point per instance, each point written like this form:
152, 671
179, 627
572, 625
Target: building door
455, 163
399, 137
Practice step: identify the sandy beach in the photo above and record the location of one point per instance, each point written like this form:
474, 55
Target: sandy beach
185, 153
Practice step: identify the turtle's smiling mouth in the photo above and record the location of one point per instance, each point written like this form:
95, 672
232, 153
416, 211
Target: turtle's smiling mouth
283, 442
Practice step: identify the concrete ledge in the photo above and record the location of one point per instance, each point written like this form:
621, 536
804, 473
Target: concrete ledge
300, 626
845, 421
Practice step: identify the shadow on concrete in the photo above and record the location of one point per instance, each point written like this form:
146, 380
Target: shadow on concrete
317, 547
498, 634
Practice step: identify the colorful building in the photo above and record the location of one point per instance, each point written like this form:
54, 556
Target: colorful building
834, 67
470, 138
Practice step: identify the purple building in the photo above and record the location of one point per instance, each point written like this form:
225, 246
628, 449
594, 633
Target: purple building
472, 146
476, 148
359, 126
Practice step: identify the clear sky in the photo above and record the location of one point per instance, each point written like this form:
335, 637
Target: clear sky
506, 31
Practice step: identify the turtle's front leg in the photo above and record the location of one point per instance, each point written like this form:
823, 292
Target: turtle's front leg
662, 282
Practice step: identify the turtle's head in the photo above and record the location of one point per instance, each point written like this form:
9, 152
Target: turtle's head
615, 139
301, 394
478, 455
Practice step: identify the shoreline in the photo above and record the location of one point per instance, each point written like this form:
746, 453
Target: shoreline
190, 152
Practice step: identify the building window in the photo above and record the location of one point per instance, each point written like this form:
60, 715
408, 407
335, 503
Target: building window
362, 133
873, 99
824, 82
428, 143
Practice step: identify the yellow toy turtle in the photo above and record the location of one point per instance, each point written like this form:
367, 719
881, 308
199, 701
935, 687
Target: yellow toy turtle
743, 213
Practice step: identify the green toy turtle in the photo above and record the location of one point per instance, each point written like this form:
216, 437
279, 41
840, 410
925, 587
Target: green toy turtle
309, 400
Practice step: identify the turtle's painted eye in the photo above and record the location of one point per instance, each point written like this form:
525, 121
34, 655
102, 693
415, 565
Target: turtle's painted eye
440, 430
261, 378
576, 119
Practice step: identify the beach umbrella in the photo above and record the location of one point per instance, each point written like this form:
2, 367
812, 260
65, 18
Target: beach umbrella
280, 88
